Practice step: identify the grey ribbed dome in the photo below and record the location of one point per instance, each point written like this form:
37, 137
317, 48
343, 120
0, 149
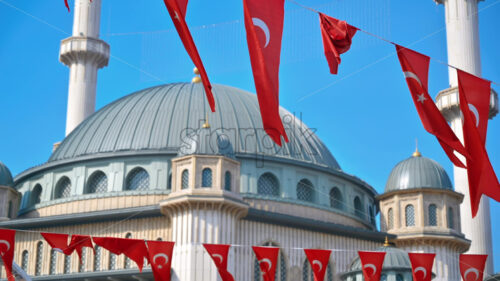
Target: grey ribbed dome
394, 258
162, 119
418, 172
5, 176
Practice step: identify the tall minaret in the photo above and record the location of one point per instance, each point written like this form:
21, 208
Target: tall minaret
462, 36
84, 54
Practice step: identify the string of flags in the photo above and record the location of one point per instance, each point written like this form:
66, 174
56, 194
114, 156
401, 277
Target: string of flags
159, 255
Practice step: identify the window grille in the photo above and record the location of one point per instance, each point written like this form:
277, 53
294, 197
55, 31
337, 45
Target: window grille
268, 185
432, 215
451, 223
227, 181
63, 188
336, 200
305, 190
81, 265
390, 219
53, 262
410, 215
137, 179
24, 260
206, 177
112, 261
67, 264
39, 256
98, 183
185, 179
358, 208
97, 259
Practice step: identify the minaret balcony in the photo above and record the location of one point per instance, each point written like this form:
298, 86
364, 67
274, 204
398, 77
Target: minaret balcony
84, 49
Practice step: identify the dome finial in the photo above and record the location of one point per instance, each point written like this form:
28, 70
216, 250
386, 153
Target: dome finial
206, 125
196, 78
386, 242
416, 153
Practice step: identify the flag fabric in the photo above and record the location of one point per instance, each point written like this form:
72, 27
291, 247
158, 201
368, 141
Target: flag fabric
218, 253
160, 256
264, 28
268, 260
415, 67
481, 176
421, 265
135, 249
58, 242
337, 39
371, 263
177, 11
78, 242
472, 267
67, 5
7, 242
319, 260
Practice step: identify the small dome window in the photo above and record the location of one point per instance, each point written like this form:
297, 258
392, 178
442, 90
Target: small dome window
63, 188
336, 199
451, 223
185, 179
206, 177
358, 207
268, 185
432, 215
390, 219
305, 190
410, 215
137, 179
227, 181
35, 195
97, 183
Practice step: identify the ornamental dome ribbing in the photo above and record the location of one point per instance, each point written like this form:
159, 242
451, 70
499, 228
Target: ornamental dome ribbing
5, 176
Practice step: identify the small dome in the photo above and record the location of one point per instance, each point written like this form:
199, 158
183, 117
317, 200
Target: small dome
5, 176
418, 172
394, 258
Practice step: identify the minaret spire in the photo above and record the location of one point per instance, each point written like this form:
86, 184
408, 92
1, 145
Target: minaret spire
84, 54
462, 36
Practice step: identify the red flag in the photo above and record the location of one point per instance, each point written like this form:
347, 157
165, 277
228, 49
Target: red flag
78, 242
135, 249
160, 256
264, 27
177, 11
416, 69
218, 253
268, 260
472, 267
372, 264
58, 242
421, 265
337, 39
7, 242
481, 176
319, 262
67, 5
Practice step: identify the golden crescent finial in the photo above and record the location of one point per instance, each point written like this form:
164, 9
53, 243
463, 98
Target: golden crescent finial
416, 153
206, 125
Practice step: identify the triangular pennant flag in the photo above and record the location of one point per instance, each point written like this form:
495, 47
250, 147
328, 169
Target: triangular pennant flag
78, 242
319, 260
160, 256
268, 259
58, 242
421, 264
371, 263
218, 253
135, 249
7, 243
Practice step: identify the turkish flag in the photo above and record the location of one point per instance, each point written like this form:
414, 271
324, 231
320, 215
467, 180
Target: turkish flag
135, 249
78, 242
421, 265
416, 69
7, 242
481, 176
472, 267
268, 260
160, 256
177, 11
319, 262
371, 263
67, 5
58, 242
218, 253
337, 38
264, 27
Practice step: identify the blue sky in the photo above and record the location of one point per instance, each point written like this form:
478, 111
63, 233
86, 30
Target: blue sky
365, 114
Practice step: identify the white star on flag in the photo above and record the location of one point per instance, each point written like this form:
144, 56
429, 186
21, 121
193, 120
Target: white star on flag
421, 98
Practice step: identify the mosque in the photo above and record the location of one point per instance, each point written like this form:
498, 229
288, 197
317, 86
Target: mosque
155, 165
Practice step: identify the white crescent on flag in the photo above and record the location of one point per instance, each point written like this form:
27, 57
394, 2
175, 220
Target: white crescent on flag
260, 23
268, 261
372, 266
420, 268
409, 74
163, 255
474, 111
319, 264
471, 270
219, 257
6, 244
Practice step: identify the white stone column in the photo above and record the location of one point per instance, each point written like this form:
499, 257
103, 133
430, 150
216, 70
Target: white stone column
462, 36
84, 54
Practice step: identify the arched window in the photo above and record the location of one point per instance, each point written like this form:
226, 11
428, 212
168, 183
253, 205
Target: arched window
169, 181
390, 219
39, 256
372, 214
36, 194
336, 200
358, 207
185, 179
451, 223
308, 275
97, 258
137, 179
128, 261
67, 264
268, 185
227, 181
112, 261
53, 262
399, 277
24, 260
206, 177
383, 277
410, 215
63, 188
305, 190
9, 210
432, 215
280, 268
81, 265
97, 183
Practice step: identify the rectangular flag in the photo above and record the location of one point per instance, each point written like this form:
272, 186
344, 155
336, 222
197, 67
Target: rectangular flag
264, 27
416, 69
